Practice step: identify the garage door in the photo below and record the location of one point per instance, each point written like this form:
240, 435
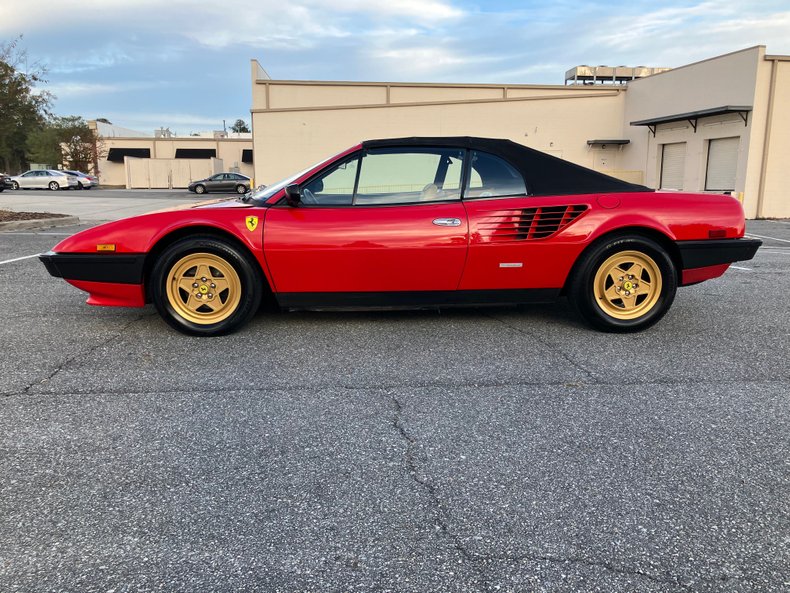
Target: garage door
673, 165
722, 164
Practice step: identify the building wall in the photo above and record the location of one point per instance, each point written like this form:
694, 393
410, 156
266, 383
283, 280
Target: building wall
725, 80
307, 121
772, 176
229, 151
298, 123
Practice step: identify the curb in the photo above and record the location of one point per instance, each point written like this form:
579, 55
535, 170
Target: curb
39, 223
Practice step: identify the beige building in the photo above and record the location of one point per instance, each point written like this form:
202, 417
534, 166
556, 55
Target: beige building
149, 162
718, 125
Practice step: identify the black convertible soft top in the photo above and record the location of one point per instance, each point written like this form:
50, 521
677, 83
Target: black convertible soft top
544, 174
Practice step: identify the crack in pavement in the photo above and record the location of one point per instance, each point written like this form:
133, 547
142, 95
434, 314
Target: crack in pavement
68, 361
442, 522
405, 386
668, 580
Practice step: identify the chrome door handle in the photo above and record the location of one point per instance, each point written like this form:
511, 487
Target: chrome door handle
447, 221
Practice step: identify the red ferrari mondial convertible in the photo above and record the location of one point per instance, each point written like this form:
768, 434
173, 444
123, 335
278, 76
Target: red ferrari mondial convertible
415, 223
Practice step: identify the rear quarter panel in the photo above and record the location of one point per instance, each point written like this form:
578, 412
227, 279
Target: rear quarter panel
546, 263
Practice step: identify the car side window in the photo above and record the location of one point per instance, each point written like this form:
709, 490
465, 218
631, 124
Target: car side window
492, 177
409, 176
334, 188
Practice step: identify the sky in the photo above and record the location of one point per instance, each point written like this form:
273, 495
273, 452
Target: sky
185, 64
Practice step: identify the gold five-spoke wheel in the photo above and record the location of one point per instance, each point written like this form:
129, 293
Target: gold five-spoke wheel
627, 285
203, 288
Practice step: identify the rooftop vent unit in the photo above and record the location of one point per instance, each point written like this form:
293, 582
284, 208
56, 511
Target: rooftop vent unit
608, 74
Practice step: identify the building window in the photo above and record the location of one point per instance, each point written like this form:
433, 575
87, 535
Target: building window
673, 165
722, 164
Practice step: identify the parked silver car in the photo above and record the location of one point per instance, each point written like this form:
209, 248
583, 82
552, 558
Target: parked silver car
45, 178
84, 180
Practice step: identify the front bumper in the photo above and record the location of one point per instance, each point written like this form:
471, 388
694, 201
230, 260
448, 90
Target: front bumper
117, 268
714, 252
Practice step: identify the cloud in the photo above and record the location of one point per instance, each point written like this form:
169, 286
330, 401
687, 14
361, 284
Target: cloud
117, 52
76, 89
108, 57
182, 122
426, 12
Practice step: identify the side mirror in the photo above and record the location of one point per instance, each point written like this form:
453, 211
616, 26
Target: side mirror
293, 195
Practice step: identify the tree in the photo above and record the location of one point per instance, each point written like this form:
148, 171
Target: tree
240, 126
65, 140
24, 108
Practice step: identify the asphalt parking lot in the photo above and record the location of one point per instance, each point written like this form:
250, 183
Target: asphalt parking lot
97, 205
464, 450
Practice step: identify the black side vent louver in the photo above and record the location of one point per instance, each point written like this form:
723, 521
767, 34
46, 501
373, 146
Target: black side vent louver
530, 223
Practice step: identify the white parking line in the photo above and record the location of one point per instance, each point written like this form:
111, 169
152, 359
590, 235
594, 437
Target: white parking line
753, 236
9, 261
740, 268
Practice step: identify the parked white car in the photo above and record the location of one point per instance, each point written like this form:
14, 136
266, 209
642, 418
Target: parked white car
45, 178
84, 180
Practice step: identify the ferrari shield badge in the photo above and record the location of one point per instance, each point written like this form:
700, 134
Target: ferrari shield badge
252, 223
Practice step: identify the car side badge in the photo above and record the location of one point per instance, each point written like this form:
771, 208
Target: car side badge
252, 223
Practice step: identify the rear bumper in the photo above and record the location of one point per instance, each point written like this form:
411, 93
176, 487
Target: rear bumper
715, 252
116, 268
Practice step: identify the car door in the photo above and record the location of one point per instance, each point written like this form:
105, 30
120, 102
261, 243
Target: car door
42, 179
28, 179
513, 243
382, 221
236, 179
213, 182
218, 182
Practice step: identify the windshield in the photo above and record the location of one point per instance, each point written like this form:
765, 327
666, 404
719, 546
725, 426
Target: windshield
263, 193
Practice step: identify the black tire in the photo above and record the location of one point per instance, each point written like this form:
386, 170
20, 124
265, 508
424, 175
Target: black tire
80, 184
200, 189
165, 274
14, 185
241, 189
621, 314
53, 185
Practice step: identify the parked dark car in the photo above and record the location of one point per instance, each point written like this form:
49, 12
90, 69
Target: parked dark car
5, 182
222, 182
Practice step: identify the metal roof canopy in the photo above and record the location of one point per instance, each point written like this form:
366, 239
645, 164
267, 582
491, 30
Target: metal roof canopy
116, 154
617, 141
693, 116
